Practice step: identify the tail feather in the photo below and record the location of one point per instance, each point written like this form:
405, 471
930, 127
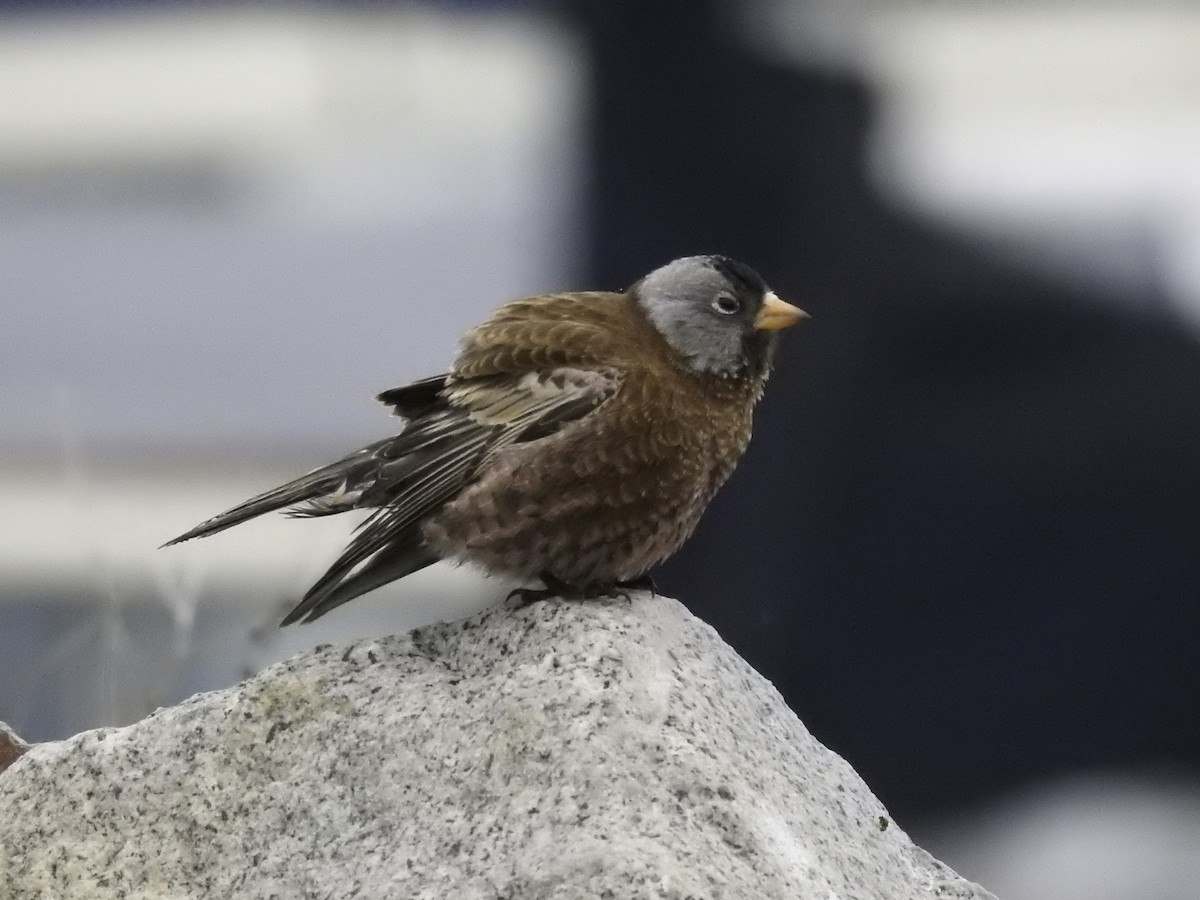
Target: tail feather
328, 485
342, 583
404, 479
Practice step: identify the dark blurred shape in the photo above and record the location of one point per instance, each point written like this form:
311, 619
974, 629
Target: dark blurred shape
964, 543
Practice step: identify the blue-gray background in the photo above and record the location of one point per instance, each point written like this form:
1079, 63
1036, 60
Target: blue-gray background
963, 543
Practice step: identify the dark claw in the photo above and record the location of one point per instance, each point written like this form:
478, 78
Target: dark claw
526, 596
554, 587
614, 592
641, 583
557, 588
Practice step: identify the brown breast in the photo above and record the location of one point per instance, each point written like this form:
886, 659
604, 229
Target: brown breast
611, 495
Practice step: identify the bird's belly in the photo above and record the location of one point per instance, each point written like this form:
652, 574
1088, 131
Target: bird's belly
585, 522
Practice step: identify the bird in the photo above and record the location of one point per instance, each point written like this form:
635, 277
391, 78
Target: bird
576, 439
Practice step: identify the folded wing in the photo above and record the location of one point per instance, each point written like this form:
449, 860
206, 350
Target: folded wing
436, 455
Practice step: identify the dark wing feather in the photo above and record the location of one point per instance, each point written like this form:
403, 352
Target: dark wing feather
415, 399
404, 555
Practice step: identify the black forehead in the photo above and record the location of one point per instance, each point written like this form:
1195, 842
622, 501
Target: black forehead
739, 274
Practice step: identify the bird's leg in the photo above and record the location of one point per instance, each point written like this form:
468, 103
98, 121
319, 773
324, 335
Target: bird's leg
559, 588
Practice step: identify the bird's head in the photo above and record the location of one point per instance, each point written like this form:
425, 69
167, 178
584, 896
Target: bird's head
716, 313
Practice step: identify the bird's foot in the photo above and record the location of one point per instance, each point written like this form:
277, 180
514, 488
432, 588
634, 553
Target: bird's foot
559, 588
526, 596
620, 590
641, 583
556, 587
614, 591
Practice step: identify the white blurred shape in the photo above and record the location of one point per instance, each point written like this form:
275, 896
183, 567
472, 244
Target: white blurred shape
148, 84
1094, 837
1067, 134
235, 212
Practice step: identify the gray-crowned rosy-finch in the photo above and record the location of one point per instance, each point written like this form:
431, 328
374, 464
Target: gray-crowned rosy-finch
576, 439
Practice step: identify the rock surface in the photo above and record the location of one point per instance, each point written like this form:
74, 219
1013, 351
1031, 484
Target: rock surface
564, 751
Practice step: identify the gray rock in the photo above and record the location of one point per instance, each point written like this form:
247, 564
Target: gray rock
564, 751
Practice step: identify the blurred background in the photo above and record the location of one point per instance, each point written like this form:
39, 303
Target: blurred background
965, 543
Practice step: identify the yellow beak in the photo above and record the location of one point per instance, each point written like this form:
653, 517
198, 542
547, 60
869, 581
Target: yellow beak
775, 314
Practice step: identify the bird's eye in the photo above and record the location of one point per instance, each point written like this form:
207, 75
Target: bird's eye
727, 304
